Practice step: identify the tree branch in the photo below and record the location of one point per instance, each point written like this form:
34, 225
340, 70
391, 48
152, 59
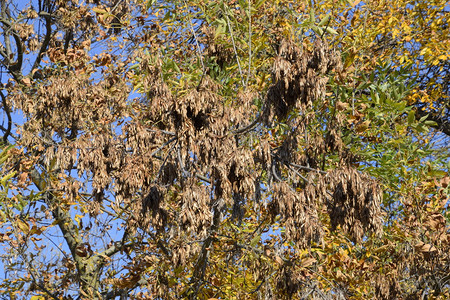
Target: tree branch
87, 268
14, 68
164, 145
48, 28
5, 29
39, 283
8, 115
441, 124
200, 266
116, 247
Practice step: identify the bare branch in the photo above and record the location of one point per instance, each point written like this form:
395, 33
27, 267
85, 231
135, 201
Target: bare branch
164, 145
14, 67
4, 15
87, 269
234, 48
48, 28
8, 115
196, 39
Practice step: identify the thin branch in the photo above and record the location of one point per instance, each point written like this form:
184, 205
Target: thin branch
164, 161
253, 124
204, 178
5, 29
160, 244
13, 67
274, 172
56, 245
48, 28
249, 42
441, 124
33, 273
306, 180
308, 168
116, 247
8, 115
164, 145
200, 266
263, 253
162, 131
249, 127
39, 283
195, 37
10, 134
234, 48
258, 287
180, 162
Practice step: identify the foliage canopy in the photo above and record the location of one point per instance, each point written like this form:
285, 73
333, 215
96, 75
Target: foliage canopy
225, 149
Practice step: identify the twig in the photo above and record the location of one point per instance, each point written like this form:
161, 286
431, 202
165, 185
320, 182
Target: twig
8, 115
249, 42
163, 131
261, 252
14, 68
252, 124
305, 179
258, 287
204, 178
195, 37
234, 48
248, 127
308, 168
164, 145
274, 172
48, 28
164, 161
33, 274
116, 247
180, 162
39, 283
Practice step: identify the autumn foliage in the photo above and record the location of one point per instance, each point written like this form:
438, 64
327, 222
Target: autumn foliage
225, 149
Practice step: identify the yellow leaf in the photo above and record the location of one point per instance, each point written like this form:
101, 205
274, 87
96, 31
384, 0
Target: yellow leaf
99, 10
355, 3
24, 227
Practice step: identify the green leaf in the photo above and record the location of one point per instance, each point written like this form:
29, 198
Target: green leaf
259, 3
324, 20
312, 17
331, 30
149, 4
219, 31
423, 118
431, 123
411, 117
255, 240
317, 30
6, 178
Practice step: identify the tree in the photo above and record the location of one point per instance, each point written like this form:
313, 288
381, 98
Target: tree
233, 149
